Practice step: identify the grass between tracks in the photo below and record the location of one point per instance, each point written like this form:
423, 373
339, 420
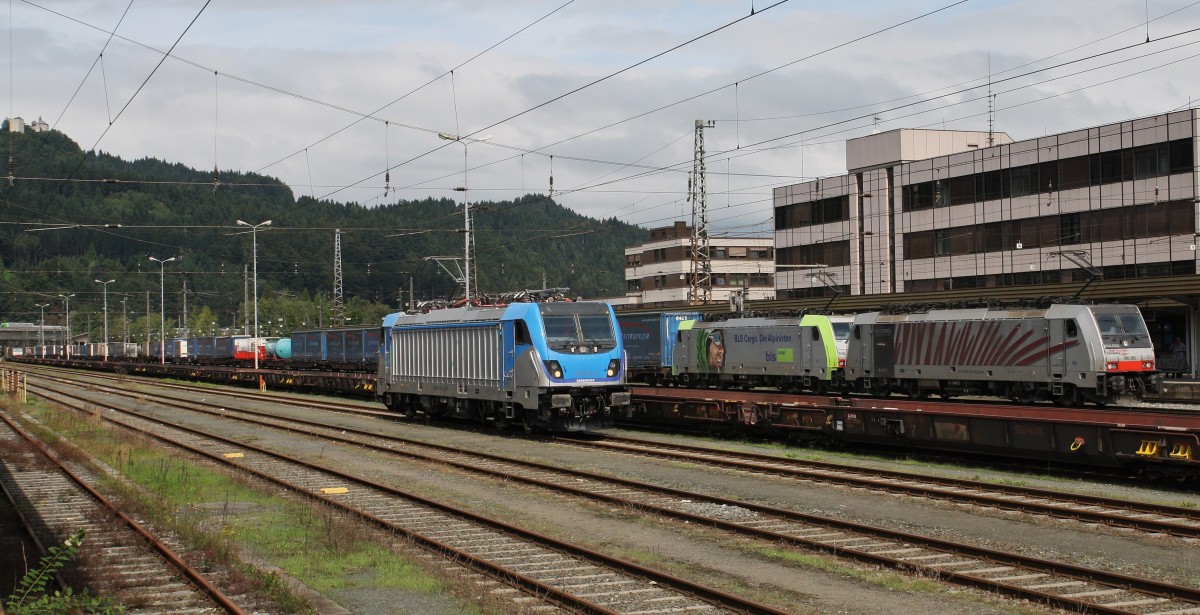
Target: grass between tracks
223, 517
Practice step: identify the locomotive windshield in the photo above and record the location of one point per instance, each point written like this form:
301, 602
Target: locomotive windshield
1123, 329
578, 328
841, 330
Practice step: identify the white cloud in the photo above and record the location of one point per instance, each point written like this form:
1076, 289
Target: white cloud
363, 54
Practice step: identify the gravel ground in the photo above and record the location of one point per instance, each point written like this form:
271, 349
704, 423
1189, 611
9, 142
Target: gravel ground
710, 556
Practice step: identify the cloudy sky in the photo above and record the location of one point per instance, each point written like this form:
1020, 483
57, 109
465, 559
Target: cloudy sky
327, 95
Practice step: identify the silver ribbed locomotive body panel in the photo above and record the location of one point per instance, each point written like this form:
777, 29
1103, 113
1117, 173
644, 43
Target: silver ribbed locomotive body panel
450, 361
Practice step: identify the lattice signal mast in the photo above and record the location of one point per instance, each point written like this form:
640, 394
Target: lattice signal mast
339, 306
701, 279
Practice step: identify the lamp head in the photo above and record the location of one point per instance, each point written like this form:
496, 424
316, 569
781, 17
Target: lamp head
447, 136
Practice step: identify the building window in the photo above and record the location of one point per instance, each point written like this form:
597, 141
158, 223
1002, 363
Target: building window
1142, 162
1021, 181
1070, 228
822, 211
941, 242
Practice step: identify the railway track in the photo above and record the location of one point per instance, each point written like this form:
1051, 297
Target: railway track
1054, 583
118, 559
1109, 512
1156, 518
550, 570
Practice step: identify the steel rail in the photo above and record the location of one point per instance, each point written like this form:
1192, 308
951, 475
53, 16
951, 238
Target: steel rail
818, 471
1059, 505
986, 555
707, 594
191, 573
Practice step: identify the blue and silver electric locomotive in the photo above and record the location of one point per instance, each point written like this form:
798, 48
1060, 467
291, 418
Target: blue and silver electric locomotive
556, 366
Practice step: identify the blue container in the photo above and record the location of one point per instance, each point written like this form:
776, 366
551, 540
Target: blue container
649, 339
280, 348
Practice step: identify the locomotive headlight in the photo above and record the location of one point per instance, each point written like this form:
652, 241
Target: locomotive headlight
1147, 364
1112, 367
614, 366
554, 369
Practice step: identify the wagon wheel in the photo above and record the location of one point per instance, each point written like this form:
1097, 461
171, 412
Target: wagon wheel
499, 421
527, 423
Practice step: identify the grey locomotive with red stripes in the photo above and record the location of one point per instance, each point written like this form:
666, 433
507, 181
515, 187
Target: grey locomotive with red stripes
1065, 353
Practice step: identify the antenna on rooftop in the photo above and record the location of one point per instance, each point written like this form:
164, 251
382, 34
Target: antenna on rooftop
991, 107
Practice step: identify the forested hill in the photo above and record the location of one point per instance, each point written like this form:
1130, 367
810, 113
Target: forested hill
60, 233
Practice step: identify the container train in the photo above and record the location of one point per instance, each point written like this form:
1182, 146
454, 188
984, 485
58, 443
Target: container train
557, 366
350, 349
1059, 352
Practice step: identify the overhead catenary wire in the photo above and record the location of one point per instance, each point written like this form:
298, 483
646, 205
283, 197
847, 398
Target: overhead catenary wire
578, 89
944, 95
564, 157
113, 120
679, 167
529, 151
427, 83
99, 58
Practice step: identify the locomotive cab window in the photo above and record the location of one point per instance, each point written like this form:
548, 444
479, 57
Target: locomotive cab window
857, 332
1072, 328
578, 328
1123, 329
841, 330
816, 334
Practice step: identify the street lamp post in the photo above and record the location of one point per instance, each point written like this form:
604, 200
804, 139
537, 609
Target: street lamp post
105, 284
162, 300
42, 329
124, 321
67, 309
466, 211
254, 243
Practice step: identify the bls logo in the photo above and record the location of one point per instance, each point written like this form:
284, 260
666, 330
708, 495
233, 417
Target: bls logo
779, 355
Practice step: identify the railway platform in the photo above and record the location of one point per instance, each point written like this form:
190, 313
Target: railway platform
1185, 389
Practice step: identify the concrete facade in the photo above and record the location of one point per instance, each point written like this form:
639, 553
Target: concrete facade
658, 272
